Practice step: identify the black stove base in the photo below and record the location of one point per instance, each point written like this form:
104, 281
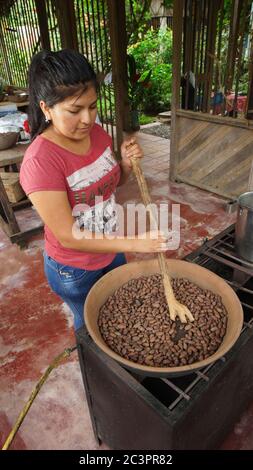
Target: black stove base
195, 411
127, 414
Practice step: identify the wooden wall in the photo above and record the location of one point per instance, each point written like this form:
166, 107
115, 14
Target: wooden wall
213, 153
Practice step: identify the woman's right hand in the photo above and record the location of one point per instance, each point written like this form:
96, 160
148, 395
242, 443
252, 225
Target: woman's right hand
150, 242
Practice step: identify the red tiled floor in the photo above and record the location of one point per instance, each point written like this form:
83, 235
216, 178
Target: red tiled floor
36, 326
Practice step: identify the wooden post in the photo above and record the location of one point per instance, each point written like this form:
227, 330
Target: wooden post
5, 54
176, 79
210, 50
8, 220
232, 46
117, 29
187, 55
43, 25
65, 13
249, 109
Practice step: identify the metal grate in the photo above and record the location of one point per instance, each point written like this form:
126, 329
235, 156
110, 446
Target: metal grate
94, 42
215, 255
217, 53
53, 26
20, 39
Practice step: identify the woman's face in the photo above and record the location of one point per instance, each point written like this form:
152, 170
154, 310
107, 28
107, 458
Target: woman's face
74, 116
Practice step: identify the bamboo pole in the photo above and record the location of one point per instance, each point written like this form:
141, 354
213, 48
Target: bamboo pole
175, 308
22, 415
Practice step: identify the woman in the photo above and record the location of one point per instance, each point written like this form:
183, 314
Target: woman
70, 175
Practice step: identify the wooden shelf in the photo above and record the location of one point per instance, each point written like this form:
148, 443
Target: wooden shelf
8, 222
19, 105
13, 155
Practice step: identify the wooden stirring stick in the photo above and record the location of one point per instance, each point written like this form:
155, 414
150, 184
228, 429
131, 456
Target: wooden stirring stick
175, 307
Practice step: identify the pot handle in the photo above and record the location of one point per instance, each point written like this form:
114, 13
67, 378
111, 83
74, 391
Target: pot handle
231, 206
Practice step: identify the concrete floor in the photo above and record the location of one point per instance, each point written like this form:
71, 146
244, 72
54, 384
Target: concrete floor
36, 326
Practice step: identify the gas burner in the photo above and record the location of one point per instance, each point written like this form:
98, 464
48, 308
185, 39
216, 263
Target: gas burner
195, 411
222, 249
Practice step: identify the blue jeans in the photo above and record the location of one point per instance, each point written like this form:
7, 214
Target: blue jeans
74, 284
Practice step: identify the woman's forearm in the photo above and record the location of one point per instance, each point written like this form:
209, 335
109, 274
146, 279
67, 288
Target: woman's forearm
83, 240
125, 172
98, 243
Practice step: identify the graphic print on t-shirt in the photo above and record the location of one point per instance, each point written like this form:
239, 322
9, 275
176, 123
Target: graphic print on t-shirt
94, 210
92, 173
102, 217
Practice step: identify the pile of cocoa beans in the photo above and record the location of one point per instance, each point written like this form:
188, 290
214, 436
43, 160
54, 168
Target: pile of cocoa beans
134, 322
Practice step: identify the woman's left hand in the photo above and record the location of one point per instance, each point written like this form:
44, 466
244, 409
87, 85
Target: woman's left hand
130, 149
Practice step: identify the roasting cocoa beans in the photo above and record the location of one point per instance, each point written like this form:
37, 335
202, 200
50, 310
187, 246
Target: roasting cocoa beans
134, 322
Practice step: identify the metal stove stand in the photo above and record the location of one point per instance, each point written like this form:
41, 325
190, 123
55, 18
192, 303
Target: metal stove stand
195, 411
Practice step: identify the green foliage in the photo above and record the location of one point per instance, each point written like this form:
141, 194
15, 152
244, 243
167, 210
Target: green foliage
227, 10
106, 103
158, 97
137, 19
155, 48
153, 57
241, 71
144, 119
244, 81
168, 3
137, 82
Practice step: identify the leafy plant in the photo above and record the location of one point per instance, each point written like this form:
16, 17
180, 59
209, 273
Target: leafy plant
106, 105
137, 82
138, 18
168, 3
159, 97
154, 53
144, 119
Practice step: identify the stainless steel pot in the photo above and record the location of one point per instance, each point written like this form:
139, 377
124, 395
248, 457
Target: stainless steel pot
244, 226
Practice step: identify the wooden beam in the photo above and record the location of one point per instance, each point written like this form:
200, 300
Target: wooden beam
205, 187
21, 237
210, 50
176, 80
21, 204
7, 212
43, 24
65, 12
232, 45
5, 53
118, 36
249, 108
226, 121
249, 111
4, 225
13, 155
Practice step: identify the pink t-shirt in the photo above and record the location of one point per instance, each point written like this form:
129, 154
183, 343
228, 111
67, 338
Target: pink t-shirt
47, 166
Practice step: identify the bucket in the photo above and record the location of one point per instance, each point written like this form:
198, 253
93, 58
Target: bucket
244, 227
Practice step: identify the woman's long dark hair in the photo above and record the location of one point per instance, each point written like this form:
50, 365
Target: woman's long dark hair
53, 76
